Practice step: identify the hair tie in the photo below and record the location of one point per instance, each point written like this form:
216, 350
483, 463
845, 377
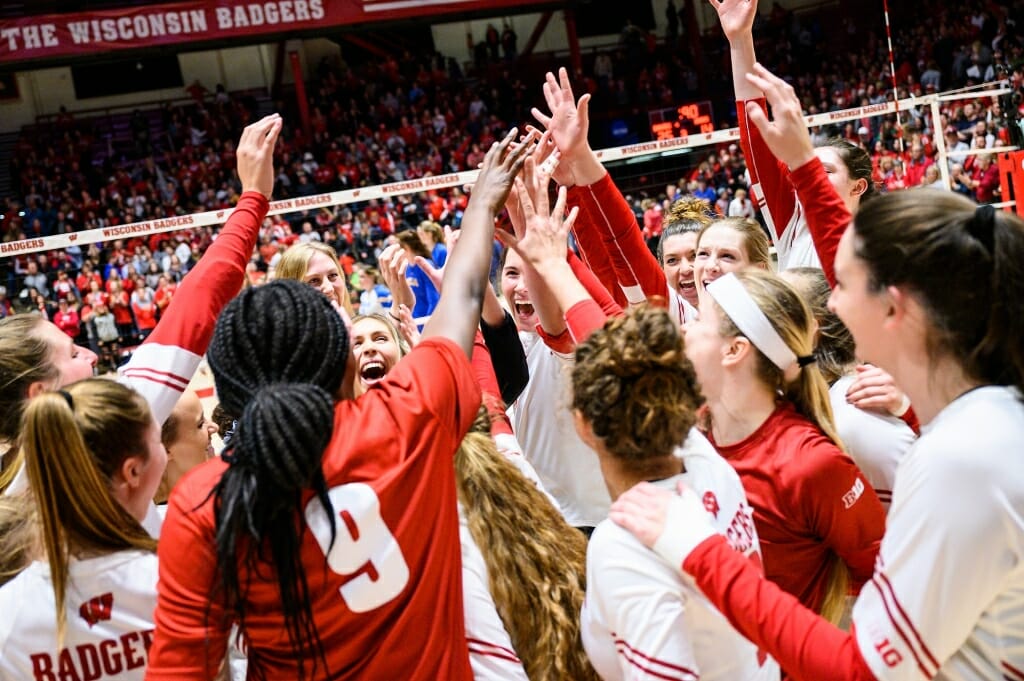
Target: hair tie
982, 226
805, 360
67, 398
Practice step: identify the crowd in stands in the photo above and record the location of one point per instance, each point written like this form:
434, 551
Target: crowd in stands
409, 116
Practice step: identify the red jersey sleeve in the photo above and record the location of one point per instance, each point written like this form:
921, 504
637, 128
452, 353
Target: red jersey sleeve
842, 507
826, 214
583, 319
591, 246
161, 368
636, 269
594, 287
804, 644
769, 181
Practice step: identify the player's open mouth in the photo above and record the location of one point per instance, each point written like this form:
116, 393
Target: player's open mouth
372, 371
524, 309
687, 285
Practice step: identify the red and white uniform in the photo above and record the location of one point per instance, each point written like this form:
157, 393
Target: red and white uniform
612, 245
947, 597
161, 368
642, 619
810, 501
542, 421
388, 602
793, 204
109, 610
490, 648
875, 441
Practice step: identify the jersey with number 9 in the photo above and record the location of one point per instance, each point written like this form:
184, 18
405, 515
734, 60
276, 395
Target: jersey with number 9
386, 594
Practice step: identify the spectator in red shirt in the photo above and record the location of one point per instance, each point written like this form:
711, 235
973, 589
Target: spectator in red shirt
917, 164
67, 320
985, 179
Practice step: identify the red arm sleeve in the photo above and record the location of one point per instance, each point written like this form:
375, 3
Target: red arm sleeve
636, 268
583, 319
910, 418
804, 644
591, 246
161, 368
594, 287
827, 216
769, 181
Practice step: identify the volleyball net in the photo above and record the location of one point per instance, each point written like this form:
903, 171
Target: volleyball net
654, 148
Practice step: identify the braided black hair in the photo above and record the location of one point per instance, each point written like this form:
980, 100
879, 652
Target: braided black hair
278, 356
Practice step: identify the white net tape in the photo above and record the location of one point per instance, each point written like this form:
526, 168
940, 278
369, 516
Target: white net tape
216, 217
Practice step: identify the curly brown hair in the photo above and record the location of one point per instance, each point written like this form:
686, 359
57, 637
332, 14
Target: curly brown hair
634, 385
536, 561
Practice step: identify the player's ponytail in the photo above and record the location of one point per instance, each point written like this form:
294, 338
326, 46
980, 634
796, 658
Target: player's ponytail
74, 442
964, 263
535, 560
278, 356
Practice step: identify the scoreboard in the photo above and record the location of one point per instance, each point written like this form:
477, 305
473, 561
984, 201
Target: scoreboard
682, 121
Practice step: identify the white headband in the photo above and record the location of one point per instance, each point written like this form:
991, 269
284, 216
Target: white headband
734, 300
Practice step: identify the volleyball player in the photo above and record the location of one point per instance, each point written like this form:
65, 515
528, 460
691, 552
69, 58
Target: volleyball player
366, 484
35, 355
930, 285
83, 607
815, 190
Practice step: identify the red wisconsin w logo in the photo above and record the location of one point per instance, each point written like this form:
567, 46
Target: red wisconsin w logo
97, 609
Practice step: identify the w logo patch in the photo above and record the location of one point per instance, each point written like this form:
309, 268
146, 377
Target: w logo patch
97, 609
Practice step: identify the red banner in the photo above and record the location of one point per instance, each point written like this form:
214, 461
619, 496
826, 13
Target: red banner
67, 35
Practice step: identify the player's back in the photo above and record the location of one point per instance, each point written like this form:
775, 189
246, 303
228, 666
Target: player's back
109, 610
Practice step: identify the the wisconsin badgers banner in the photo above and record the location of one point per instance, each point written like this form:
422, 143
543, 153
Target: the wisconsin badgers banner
64, 35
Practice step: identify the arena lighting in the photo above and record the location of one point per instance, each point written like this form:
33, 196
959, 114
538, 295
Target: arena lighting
383, 191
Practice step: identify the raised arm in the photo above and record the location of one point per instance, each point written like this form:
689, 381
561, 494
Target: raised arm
458, 311
610, 219
161, 368
787, 137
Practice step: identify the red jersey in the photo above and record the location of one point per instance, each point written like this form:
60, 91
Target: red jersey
387, 599
810, 501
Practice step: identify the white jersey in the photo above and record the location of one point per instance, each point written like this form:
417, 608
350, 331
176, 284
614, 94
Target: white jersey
876, 442
491, 654
542, 420
947, 597
643, 619
109, 608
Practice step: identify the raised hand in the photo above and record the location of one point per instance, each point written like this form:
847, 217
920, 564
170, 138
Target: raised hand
436, 274
393, 264
786, 134
499, 169
545, 229
569, 120
255, 155
407, 326
736, 16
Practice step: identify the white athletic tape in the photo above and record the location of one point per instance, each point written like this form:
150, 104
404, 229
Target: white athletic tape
216, 217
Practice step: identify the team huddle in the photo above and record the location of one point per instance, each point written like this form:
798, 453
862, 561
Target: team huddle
688, 464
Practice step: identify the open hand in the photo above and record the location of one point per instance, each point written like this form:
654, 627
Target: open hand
736, 16
569, 120
393, 264
545, 230
255, 155
499, 169
786, 134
